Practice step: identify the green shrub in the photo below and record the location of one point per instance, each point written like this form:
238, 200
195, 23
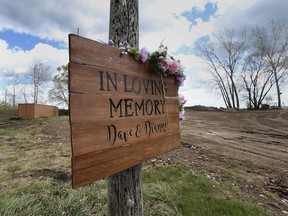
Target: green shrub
63, 112
7, 111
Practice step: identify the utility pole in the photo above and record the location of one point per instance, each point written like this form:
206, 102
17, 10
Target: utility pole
125, 187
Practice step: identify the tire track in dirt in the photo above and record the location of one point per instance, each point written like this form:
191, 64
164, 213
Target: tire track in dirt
245, 136
242, 153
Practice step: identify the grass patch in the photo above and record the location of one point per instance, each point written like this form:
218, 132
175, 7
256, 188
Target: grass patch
13, 167
55, 199
3, 145
167, 191
176, 191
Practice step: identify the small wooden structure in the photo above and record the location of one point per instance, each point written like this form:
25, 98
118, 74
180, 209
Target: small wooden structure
26, 111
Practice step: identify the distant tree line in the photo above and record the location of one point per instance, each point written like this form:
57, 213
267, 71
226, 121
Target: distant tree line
26, 87
248, 64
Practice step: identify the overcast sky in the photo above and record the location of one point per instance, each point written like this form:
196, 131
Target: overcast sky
38, 29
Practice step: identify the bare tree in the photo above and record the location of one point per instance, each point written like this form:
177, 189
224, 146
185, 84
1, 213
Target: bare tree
38, 73
11, 91
6, 92
271, 42
223, 54
23, 91
6, 89
257, 80
59, 92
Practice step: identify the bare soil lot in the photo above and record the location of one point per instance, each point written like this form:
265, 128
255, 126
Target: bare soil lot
247, 148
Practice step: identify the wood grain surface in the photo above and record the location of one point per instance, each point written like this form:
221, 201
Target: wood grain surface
120, 113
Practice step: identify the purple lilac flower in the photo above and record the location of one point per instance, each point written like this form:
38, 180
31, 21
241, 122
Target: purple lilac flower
144, 54
182, 99
110, 42
180, 80
182, 116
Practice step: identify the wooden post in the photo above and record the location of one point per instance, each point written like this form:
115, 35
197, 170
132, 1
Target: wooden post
125, 192
124, 22
125, 187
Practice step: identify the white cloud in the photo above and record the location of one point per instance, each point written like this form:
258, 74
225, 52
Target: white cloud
55, 19
19, 60
247, 13
196, 97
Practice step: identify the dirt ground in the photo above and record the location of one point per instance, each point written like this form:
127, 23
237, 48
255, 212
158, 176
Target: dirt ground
247, 148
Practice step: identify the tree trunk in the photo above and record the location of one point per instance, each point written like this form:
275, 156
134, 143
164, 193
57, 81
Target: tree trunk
125, 192
278, 89
25, 96
14, 97
125, 188
36, 94
124, 21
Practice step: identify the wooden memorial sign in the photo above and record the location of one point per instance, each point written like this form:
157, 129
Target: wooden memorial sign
121, 114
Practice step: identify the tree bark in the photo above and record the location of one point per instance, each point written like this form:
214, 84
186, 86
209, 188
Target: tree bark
125, 188
124, 22
277, 89
125, 192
